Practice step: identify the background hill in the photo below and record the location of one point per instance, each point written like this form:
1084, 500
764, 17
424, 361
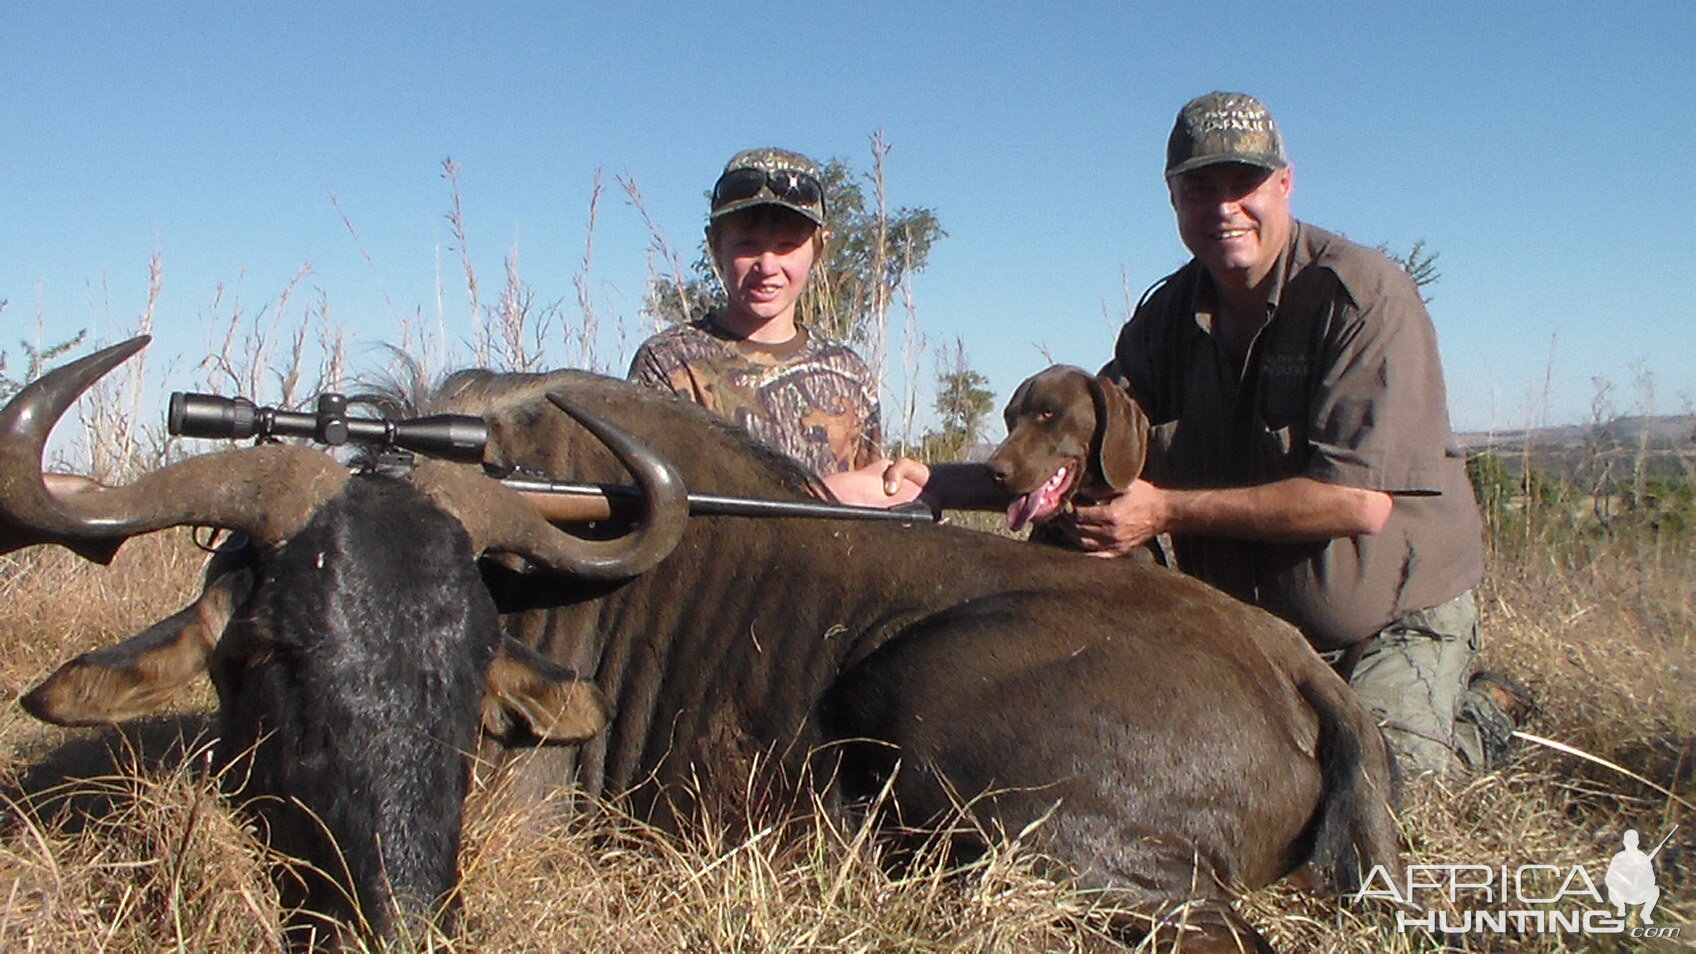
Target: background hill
1616, 456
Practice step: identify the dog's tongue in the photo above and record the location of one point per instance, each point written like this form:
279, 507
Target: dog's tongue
1038, 503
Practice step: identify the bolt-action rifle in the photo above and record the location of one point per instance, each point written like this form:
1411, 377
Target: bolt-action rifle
462, 437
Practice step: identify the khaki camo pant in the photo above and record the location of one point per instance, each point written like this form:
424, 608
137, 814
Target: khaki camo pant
1414, 675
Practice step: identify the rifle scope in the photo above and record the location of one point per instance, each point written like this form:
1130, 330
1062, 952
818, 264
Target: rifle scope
450, 436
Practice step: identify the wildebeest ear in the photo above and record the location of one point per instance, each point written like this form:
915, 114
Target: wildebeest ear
1121, 433
527, 698
139, 676
136, 677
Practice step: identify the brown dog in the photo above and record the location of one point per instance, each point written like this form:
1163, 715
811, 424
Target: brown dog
1070, 435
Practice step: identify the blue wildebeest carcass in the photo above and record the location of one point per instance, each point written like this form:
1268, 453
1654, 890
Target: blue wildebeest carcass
1175, 744
353, 645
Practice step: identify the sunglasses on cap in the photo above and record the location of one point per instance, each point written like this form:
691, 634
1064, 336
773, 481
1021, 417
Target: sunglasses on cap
785, 185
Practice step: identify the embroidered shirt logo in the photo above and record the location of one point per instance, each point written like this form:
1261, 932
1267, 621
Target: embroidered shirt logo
1285, 365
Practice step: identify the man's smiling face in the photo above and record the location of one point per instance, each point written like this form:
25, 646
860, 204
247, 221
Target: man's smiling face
1234, 217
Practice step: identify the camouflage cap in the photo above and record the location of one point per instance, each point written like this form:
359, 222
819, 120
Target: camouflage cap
770, 177
1224, 127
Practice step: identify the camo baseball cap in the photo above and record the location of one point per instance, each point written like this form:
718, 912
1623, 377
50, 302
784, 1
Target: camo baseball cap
1224, 127
770, 177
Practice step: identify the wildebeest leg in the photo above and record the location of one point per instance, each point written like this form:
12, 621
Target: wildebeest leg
1136, 875
1199, 928
1001, 708
1132, 872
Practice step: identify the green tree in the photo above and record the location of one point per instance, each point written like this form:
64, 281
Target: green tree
1492, 483
963, 403
1665, 505
35, 361
871, 251
1420, 265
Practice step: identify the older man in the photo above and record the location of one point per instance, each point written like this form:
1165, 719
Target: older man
1301, 457
1302, 453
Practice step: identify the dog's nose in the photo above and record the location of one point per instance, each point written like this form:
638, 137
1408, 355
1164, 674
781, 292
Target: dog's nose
1000, 470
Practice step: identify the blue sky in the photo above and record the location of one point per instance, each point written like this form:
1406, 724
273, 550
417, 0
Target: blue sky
1546, 151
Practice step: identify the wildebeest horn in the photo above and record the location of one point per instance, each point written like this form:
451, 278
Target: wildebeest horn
266, 492
498, 518
269, 491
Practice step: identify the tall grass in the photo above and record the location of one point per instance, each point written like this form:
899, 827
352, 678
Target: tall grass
141, 854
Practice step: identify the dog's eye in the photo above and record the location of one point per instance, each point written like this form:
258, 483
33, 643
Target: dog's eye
1045, 416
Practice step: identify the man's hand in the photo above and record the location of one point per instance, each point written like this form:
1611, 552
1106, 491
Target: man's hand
1292, 510
1115, 527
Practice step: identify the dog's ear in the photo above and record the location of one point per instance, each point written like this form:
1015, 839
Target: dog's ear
1121, 434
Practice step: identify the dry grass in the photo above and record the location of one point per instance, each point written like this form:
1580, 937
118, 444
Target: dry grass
146, 858
538, 879
54, 605
143, 856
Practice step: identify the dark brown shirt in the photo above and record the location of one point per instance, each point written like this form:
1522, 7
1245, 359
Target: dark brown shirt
812, 399
1343, 385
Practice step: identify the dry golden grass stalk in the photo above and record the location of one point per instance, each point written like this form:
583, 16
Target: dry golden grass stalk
164, 866
581, 341
658, 247
456, 220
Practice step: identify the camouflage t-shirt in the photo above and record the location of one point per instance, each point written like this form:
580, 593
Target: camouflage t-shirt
812, 399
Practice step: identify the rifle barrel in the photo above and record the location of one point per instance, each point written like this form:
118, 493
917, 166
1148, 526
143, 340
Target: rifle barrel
567, 501
1663, 843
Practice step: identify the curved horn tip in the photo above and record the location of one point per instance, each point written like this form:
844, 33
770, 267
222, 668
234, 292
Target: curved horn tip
106, 358
25, 422
665, 499
54, 391
129, 346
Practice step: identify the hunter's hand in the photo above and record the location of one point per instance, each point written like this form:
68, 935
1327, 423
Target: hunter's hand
1119, 525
